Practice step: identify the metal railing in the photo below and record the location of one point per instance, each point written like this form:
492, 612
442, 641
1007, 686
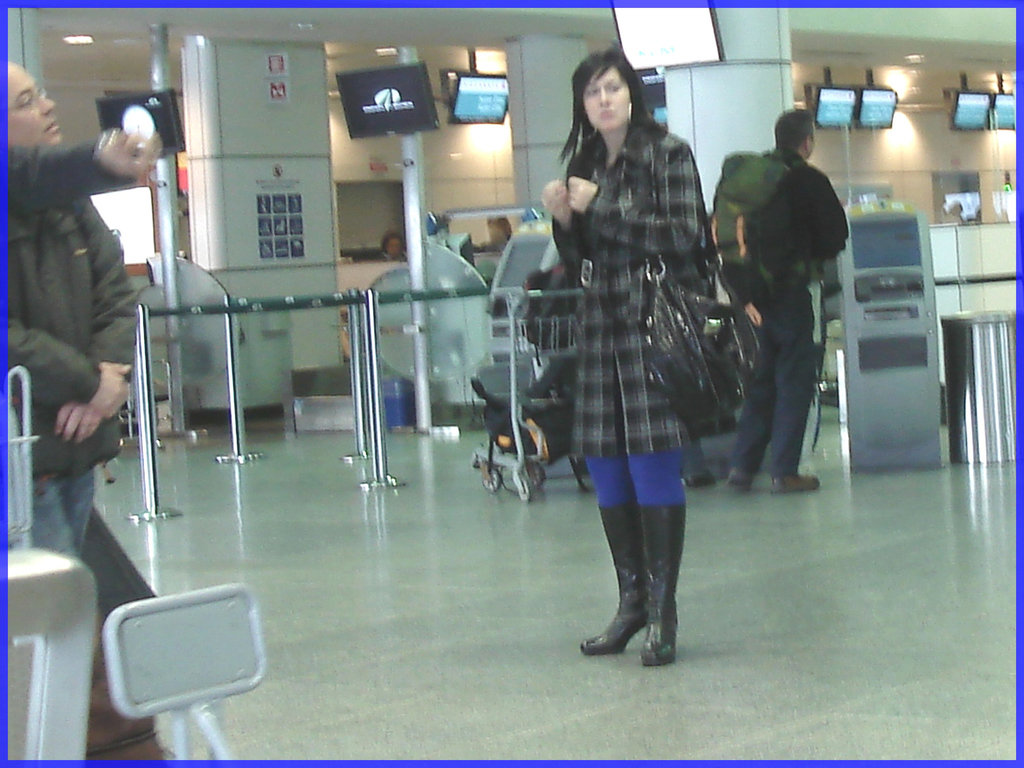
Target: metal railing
364, 330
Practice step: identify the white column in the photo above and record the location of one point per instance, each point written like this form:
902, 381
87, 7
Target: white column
732, 105
23, 39
540, 71
415, 234
261, 197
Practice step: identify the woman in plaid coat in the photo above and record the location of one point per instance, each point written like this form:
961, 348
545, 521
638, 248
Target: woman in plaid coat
631, 195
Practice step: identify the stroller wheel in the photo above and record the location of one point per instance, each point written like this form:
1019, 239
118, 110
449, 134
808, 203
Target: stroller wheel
492, 478
536, 474
523, 483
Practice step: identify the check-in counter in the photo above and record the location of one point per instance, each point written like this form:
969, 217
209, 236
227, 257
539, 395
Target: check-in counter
975, 270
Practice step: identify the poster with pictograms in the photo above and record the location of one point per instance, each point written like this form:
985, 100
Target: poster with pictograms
280, 228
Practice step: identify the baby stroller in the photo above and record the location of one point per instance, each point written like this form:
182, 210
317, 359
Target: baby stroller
528, 404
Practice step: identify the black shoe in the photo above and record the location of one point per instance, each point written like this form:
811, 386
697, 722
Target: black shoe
740, 480
701, 480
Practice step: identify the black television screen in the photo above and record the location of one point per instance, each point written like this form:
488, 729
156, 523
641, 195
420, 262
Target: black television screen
886, 244
971, 111
387, 100
653, 81
834, 107
876, 107
479, 98
145, 113
1006, 111
668, 37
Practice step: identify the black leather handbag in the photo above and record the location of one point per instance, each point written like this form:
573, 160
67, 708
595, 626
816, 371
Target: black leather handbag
697, 351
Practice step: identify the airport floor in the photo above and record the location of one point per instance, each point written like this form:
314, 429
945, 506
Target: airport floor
873, 619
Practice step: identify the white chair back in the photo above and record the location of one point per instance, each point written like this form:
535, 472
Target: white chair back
183, 654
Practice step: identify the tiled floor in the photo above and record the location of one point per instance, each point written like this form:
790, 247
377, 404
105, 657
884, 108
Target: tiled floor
874, 619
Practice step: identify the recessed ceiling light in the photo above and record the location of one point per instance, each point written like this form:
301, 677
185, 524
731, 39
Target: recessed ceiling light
78, 39
914, 58
386, 51
305, 26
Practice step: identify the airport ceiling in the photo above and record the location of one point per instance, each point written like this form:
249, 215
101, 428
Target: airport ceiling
121, 53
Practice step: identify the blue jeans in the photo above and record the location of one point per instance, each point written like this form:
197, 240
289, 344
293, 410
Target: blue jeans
60, 512
782, 388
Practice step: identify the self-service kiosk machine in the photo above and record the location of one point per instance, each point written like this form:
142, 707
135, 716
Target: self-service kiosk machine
891, 355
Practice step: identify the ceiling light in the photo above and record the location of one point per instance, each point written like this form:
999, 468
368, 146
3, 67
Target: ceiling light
386, 51
914, 58
304, 26
78, 39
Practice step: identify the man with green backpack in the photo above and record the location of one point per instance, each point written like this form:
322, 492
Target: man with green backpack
776, 220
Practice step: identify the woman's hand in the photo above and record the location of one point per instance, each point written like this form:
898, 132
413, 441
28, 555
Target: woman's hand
555, 198
581, 193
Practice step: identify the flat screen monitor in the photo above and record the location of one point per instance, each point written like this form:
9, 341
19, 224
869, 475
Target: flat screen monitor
146, 114
653, 81
387, 100
668, 37
886, 244
1005, 111
970, 111
479, 98
834, 107
876, 108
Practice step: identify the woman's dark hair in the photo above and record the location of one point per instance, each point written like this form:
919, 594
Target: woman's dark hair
595, 65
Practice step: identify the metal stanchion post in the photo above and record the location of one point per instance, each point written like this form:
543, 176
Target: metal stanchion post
236, 416
145, 414
357, 361
381, 478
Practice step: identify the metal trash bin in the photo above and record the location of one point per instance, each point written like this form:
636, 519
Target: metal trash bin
980, 355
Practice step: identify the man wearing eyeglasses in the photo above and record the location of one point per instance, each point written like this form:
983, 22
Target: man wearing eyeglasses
71, 322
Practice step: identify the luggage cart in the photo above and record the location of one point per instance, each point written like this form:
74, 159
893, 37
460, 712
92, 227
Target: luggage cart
511, 461
19, 460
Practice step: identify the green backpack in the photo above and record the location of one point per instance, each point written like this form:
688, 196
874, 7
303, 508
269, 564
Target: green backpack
750, 222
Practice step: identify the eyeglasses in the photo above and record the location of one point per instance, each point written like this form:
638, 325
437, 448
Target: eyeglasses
28, 100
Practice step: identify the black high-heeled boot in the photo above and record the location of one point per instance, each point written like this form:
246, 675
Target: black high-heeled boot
625, 540
663, 531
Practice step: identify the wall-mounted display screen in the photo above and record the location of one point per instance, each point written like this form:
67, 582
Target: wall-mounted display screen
387, 100
653, 81
834, 107
970, 111
668, 37
479, 98
1005, 112
876, 108
145, 114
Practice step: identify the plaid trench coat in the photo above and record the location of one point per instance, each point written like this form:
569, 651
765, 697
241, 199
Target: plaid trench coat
648, 204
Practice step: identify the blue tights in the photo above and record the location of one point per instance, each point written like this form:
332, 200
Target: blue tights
648, 479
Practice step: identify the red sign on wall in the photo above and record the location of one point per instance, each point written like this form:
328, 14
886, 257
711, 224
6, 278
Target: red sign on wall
277, 91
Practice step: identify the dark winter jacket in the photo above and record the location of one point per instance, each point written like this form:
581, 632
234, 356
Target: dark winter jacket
70, 306
648, 204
